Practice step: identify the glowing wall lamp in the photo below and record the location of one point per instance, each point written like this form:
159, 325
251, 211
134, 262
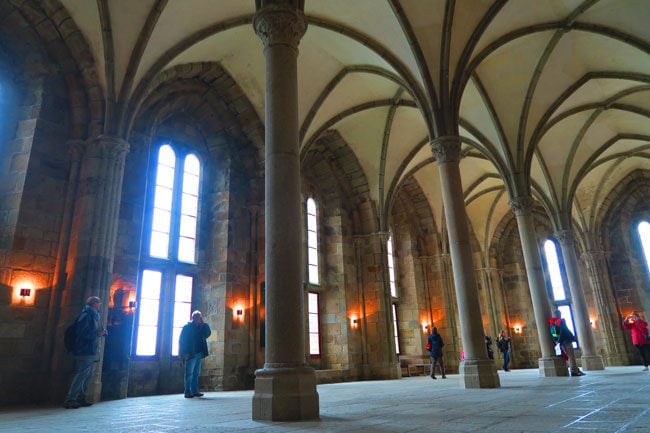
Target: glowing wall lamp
425, 327
354, 322
25, 292
517, 329
238, 313
592, 322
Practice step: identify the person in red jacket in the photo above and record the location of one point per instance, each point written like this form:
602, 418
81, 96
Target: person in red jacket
639, 328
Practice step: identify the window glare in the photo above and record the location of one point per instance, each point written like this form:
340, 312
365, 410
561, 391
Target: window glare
148, 312
550, 250
312, 242
644, 234
395, 333
391, 267
313, 321
182, 307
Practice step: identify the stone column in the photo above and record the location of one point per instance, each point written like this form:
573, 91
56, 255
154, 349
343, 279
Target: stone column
92, 239
590, 359
609, 318
549, 363
285, 389
477, 371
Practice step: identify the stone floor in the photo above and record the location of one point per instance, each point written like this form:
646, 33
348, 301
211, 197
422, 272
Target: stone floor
614, 400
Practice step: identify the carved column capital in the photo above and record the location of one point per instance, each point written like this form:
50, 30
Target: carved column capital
565, 237
76, 149
280, 25
521, 205
446, 148
106, 146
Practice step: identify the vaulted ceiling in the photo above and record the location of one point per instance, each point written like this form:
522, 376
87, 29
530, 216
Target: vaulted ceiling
551, 97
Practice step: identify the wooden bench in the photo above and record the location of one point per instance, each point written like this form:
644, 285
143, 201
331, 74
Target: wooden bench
415, 365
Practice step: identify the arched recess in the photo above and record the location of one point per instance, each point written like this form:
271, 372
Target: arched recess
516, 307
52, 99
625, 207
422, 299
333, 178
205, 116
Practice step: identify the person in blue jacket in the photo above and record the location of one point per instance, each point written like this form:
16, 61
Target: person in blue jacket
193, 347
435, 352
86, 352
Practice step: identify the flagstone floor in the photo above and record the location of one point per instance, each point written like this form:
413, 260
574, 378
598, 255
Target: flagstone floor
614, 400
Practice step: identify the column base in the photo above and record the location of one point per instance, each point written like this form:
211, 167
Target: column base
592, 362
285, 394
617, 359
479, 373
553, 367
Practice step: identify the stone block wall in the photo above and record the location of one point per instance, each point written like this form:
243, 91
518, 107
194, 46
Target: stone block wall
33, 174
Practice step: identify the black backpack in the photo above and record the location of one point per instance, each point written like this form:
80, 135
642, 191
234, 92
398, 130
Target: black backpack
70, 335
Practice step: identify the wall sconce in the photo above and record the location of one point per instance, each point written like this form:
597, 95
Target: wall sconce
238, 313
592, 322
25, 292
517, 329
132, 305
354, 322
425, 327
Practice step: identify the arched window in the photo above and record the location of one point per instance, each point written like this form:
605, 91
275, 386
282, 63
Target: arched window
644, 234
312, 241
391, 267
168, 262
560, 297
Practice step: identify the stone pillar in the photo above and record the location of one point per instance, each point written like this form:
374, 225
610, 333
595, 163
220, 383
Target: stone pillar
609, 319
477, 371
285, 389
493, 300
452, 340
92, 241
590, 359
549, 363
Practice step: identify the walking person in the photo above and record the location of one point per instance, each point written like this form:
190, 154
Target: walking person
504, 344
435, 345
561, 334
639, 331
193, 347
85, 348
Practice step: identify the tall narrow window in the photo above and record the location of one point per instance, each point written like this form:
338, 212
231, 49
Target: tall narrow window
189, 210
312, 241
148, 313
557, 285
182, 308
162, 203
169, 261
391, 267
644, 234
395, 329
314, 324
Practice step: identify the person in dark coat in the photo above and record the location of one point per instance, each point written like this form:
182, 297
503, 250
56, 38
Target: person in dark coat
565, 338
85, 351
488, 346
639, 330
193, 347
435, 352
504, 344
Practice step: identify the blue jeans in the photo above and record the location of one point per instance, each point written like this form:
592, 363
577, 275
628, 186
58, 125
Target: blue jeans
506, 360
192, 372
83, 371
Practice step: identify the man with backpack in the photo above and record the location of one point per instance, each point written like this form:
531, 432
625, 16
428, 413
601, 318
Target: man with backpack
82, 339
562, 334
